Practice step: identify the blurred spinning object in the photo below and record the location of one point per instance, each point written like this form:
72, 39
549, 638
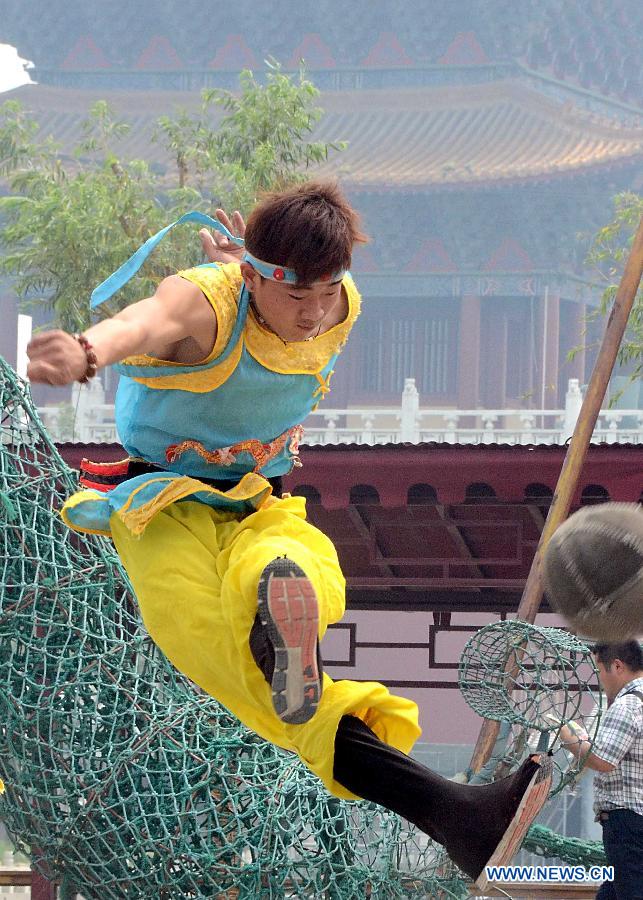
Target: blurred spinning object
593, 569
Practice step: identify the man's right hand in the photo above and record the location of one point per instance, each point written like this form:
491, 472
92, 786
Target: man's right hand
216, 246
572, 733
55, 357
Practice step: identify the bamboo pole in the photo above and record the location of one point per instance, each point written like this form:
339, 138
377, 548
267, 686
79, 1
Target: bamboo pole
574, 458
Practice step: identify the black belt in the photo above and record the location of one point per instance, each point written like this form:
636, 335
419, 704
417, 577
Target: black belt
105, 476
604, 814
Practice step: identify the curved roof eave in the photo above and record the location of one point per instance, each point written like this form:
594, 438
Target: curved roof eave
445, 138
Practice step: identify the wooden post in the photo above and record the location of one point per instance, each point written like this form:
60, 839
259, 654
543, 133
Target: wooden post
574, 458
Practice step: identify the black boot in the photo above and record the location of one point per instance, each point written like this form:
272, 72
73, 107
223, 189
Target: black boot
472, 822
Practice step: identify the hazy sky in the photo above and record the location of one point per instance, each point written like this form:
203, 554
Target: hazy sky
12, 73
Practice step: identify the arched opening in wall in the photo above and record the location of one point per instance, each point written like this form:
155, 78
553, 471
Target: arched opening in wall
594, 493
311, 493
364, 495
539, 495
479, 492
419, 494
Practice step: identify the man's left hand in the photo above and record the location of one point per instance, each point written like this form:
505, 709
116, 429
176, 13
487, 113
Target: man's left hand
216, 246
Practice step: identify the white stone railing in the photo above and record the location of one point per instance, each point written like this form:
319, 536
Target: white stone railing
87, 419
9, 865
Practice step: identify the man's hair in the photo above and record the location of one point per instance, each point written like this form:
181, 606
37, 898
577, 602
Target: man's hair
309, 227
629, 653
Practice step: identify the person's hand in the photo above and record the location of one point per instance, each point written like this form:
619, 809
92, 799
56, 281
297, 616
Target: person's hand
570, 732
216, 246
55, 357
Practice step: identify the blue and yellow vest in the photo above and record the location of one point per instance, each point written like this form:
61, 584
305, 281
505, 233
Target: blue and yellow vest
236, 415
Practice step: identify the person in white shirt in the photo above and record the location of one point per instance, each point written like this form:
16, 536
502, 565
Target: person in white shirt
617, 758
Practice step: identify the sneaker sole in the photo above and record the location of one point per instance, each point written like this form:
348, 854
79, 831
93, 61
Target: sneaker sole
289, 612
532, 802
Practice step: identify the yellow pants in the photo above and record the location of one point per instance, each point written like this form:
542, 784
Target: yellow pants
195, 572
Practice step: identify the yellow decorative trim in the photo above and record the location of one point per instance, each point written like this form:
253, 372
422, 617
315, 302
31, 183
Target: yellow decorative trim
221, 288
75, 500
301, 357
136, 520
197, 382
324, 384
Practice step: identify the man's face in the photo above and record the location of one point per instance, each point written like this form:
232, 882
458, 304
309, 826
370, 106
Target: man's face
292, 312
611, 678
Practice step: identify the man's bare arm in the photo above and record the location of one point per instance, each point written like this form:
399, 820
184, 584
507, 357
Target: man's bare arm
154, 326
579, 746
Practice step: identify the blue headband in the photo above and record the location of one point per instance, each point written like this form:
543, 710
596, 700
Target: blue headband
122, 275
285, 275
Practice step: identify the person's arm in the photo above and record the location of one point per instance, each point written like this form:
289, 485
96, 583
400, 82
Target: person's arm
154, 326
619, 729
578, 744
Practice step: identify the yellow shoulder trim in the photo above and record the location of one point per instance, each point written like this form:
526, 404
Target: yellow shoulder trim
302, 357
198, 382
221, 288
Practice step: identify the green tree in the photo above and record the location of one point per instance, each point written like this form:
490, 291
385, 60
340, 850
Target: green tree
70, 222
608, 253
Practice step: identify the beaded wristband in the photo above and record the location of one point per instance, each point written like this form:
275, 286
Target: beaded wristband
92, 359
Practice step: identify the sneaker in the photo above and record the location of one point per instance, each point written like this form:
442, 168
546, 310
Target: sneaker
289, 613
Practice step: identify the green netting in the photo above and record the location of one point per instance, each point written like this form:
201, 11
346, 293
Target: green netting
122, 779
545, 842
531, 678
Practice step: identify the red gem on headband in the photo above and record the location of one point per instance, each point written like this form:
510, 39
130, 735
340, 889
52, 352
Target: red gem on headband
279, 274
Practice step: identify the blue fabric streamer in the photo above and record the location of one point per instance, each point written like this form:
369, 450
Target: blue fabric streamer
122, 275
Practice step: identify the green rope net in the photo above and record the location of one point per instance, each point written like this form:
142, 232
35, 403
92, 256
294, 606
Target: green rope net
545, 842
122, 778
531, 679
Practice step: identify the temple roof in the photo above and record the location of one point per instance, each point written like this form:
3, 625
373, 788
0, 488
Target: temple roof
594, 44
119, 35
474, 134
590, 43
405, 139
